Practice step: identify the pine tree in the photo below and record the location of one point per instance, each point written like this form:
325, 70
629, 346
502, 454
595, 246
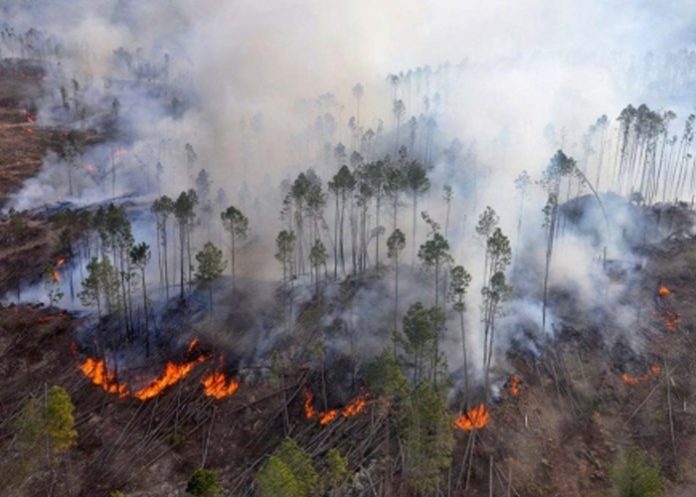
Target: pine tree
428, 439
59, 420
237, 225
204, 483
210, 267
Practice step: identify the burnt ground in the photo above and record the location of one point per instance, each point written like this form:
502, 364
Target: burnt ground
559, 437
24, 142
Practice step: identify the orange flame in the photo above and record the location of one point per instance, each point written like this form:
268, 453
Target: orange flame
514, 385
97, 372
327, 417
218, 386
664, 291
655, 370
173, 374
354, 407
55, 274
671, 320
310, 412
192, 345
475, 418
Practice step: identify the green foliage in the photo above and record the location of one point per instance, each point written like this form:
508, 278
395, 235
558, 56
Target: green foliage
52, 422
285, 244
488, 221
338, 473
428, 439
460, 279
499, 251
100, 287
29, 426
416, 179
418, 327
343, 182
301, 466
318, 254
184, 208
435, 251
163, 207
140, 255
636, 475
235, 223
204, 483
384, 376
395, 244
59, 420
210, 264
276, 479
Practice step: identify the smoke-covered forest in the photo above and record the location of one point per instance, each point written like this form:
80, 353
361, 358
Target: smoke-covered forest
306, 249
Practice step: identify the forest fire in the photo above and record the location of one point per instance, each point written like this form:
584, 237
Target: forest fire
97, 372
173, 374
671, 320
354, 407
663, 291
514, 385
55, 274
655, 371
217, 385
475, 418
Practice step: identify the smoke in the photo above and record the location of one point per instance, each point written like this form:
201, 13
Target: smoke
263, 91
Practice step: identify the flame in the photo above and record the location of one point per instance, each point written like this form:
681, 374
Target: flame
30, 118
354, 407
671, 319
328, 416
192, 345
474, 419
664, 291
514, 385
218, 386
310, 412
173, 374
655, 370
55, 274
29, 130
97, 372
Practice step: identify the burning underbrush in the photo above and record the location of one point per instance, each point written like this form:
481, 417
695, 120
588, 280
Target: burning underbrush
215, 383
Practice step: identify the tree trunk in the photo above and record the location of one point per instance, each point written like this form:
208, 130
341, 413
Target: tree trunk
182, 243
147, 327
413, 230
